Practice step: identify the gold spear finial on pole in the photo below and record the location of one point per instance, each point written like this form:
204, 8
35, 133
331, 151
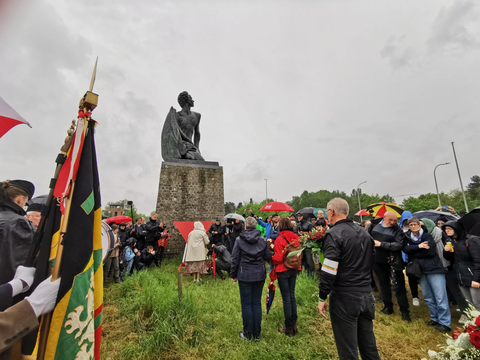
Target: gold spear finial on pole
94, 75
90, 99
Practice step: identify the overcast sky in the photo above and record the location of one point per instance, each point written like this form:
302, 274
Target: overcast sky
308, 94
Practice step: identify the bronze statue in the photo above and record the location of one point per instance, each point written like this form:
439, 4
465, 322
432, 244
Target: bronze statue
178, 130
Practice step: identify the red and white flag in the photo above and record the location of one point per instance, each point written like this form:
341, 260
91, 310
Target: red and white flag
68, 173
9, 118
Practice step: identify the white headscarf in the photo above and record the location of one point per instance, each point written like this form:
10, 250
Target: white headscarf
199, 226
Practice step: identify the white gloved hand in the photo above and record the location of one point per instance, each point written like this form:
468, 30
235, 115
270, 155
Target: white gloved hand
44, 297
26, 274
23, 275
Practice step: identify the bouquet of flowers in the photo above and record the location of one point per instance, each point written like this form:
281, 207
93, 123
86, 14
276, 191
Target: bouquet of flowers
271, 244
312, 240
465, 343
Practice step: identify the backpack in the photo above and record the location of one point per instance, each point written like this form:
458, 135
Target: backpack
294, 262
121, 258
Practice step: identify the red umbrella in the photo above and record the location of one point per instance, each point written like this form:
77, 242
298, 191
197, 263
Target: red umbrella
276, 207
9, 118
213, 263
118, 219
362, 213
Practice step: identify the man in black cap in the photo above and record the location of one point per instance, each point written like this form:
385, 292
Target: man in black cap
34, 214
16, 232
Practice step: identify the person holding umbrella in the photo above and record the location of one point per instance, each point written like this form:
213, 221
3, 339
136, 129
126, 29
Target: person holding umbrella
464, 251
286, 277
248, 267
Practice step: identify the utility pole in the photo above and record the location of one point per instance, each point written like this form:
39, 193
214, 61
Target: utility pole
358, 195
459, 177
435, 178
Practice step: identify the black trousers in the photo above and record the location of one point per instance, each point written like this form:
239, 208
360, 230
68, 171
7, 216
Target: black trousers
452, 286
382, 270
286, 282
352, 315
413, 282
221, 265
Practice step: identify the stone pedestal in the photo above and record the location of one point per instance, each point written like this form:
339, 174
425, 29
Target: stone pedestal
189, 191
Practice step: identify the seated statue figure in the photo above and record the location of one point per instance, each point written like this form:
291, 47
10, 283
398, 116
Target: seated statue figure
178, 130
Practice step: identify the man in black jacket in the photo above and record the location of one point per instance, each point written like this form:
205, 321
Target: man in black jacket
139, 233
123, 234
235, 229
389, 242
153, 229
147, 256
346, 276
216, 232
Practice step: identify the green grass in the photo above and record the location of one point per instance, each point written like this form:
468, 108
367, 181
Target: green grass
143, 319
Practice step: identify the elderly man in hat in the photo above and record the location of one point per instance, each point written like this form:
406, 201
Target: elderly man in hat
34, 214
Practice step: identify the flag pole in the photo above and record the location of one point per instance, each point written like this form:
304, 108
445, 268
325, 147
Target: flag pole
87, 104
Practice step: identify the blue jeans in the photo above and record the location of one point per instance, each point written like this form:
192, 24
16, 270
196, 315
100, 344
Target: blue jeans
251, 300
434, 288
286, 282
129, 266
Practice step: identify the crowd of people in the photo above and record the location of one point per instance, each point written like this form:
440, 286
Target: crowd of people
137, 246
439, 256
380, 254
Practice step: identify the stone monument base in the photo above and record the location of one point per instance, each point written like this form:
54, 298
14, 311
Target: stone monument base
189, 191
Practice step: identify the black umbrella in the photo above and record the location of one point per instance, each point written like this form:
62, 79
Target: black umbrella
307, 212
434, 215
36, 203
471, 222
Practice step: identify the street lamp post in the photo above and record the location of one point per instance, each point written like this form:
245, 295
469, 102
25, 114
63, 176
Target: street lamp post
435, 177
129, 202
266, 190
460, 178
358, 195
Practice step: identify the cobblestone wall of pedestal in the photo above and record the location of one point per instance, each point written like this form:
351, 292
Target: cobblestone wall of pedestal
188, 193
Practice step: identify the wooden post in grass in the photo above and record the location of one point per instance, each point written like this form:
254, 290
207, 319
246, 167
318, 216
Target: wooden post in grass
180, 276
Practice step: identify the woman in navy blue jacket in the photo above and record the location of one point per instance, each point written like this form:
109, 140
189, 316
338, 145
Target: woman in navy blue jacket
421, 247
248, 267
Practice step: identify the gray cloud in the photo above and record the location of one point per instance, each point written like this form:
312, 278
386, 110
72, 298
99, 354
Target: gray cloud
455, 29
297, 94
397, 55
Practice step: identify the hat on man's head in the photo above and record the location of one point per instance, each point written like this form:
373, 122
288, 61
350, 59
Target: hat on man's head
34, 207
26, 186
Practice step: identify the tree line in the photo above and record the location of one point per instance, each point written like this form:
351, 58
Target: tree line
319, 199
